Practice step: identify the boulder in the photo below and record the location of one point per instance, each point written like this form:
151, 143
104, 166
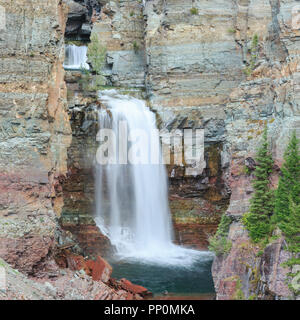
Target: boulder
100, 269
73, 27
134, 288
76, 11
77, 15
86, 29
250, 163
77, 262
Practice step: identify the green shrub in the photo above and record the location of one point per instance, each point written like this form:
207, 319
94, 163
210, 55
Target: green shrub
96, 54
231, 30
292, 262
219, 243
90, 82
253, 56
224, 226
246, 170
135, 46
194, 11
254, 42
239, 294
247, 71
94, 80
84, 81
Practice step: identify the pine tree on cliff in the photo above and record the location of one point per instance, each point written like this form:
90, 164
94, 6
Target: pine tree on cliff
289, 182
291, 227
257, 220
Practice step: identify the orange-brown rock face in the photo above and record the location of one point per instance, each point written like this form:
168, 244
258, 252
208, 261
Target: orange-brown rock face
34, 129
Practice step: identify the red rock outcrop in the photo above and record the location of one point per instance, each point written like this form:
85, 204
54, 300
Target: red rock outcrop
67, 285
100, 269
133, 288
89, 238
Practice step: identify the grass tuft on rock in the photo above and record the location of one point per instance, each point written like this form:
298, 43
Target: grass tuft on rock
194, 11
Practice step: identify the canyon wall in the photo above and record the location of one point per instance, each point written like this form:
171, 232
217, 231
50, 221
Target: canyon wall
139, 63
35, 135
34, 129
270, 95
194, 63
230, 68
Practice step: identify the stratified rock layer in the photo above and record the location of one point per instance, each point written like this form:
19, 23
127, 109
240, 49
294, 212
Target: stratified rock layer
268, 96
230, 68
34, 130
196, 68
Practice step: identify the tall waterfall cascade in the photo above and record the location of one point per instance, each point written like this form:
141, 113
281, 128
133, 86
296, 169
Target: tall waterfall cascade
132, 199
76, 57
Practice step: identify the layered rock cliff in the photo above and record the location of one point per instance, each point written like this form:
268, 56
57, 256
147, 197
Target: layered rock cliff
35, 134
269, 95
35, 130
128, 30
228, 67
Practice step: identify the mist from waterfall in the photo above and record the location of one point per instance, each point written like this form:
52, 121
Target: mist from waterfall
132, 199
76, 57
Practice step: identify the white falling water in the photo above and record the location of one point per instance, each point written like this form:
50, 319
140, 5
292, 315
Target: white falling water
76, 57
132, 199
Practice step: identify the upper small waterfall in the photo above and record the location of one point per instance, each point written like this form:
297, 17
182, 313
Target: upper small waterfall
76, 57
132, 199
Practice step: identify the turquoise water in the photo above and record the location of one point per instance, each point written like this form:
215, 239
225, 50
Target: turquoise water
192, 280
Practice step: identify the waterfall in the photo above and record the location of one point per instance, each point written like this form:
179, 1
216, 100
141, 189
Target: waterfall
76, 57
132, 199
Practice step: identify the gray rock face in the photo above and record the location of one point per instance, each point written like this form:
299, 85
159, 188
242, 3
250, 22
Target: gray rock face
76, 11
121, 29
80, 16
230, 67
34, 130
200, 66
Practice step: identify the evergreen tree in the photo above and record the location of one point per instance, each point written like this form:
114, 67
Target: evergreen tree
289, 182
291, 227
257, 220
